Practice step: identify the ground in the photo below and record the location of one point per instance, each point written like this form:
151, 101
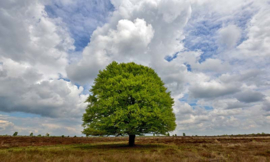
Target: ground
113, 149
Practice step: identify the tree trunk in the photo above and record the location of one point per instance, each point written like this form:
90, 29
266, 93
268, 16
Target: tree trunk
131, 140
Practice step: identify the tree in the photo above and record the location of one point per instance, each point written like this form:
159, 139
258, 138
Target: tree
15, 133
128, 99
31, 134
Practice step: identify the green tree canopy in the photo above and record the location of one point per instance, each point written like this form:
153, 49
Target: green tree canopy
128, 99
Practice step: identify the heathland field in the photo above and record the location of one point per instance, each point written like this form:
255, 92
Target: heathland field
88, 149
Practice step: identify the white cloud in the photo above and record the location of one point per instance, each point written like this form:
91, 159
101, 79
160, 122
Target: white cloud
220, 77
224, 91
229, 36
212, 89
249, 96
266, 105
4, 125
33, 55
81, 16
123, 44
40, 125
22, 89
140, 39
212, 65
258, 40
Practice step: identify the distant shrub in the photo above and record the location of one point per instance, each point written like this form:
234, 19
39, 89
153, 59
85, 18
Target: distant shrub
15, 133
47, 135
31, 134
184, 134
75, 136
63, 136
39, 135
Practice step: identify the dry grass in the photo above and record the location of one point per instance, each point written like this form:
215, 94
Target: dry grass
188, 149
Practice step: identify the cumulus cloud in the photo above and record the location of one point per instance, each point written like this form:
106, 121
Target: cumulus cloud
219, 74
140, 38
266, 105
82, 17
250, 96
212, 89
40, 125
33, 57
229, 36
4, 125
258, 34
212, 65
217, 69
128, 40
38, 40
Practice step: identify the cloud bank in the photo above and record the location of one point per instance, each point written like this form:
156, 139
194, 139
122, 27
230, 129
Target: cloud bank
212, 55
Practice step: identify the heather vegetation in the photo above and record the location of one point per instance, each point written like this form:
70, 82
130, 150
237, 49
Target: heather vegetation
113, 149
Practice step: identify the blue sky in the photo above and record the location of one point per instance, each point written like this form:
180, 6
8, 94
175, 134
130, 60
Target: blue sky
81, 18
212, 55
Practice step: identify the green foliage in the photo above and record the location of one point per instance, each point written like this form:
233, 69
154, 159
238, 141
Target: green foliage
63, 136
15, 133
184, 134
39, 135
128, 99
47, 135
31, 134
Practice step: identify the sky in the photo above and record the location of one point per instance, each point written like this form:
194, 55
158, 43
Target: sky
214, 57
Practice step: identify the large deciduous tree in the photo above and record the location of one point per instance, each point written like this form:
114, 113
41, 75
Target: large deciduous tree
128, 99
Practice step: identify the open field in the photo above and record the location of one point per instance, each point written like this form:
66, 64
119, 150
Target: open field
85, 149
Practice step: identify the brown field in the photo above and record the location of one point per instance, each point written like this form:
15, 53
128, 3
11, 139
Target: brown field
88, 149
